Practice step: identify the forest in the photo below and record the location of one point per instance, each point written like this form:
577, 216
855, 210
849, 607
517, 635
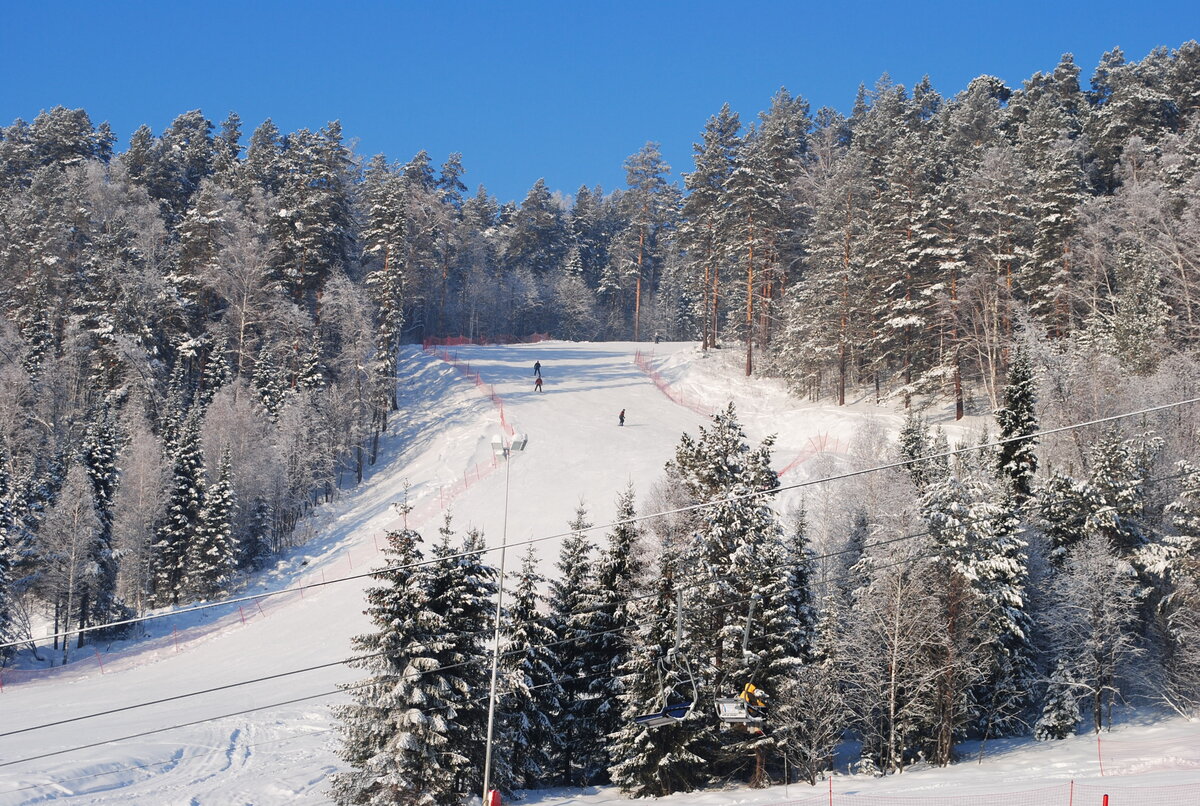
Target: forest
199, 341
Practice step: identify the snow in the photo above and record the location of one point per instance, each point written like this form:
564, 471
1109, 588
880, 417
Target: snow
274, 742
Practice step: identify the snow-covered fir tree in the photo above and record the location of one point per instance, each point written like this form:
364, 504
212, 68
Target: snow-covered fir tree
184, 506
211, 553
462, 590
398, 735
101, 445
611, 620
530, 705
1060, 706
653, 762
1018, 422
580, 754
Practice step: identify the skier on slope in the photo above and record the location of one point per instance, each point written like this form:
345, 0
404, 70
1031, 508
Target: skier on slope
621, 418
537, 384
537, 368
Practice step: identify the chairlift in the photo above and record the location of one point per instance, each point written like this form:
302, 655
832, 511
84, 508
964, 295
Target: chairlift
749, 708
677, 699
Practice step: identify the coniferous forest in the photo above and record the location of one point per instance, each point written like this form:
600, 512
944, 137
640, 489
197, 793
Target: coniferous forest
199, 338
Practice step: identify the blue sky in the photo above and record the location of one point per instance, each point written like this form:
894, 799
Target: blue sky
559, 90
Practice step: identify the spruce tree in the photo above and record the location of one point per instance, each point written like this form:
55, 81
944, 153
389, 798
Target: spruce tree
1018, 421
530, 705
1060, 707
398, 735
101, 445
211, 553
461, 601
610, 620
182, 522
654, 762
570, 598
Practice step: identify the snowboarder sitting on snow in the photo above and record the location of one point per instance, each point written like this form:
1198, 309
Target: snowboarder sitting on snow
537, 385
537, 368
621, 418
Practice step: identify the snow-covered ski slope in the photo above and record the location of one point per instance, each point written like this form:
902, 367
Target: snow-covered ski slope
279, 747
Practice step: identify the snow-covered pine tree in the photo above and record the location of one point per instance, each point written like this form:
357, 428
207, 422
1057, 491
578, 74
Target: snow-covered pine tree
1017, 420
611, 621
1060, 706
101, 444
184, 503
6, 555
701, 230
211, 554
654, 762
571, 594
398, 735
529, 706
461, 601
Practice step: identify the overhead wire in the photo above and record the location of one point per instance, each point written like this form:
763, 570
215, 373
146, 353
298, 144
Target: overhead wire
487, 631
418, 673
382, 571
558, 681
778, 488
587, 636
627, 600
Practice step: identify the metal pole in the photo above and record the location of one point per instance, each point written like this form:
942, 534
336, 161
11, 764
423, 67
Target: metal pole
491, 724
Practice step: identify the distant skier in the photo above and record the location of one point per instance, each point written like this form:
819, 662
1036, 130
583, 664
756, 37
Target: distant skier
537, 368
621, 418
537, 385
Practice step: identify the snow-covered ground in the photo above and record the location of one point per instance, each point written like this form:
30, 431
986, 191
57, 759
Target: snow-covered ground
272, 741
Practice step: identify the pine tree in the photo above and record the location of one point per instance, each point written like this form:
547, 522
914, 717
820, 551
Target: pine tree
530, 705
1060, 708
703, 213
610, 619
398, 734
211, 554
101, 445
182, 522
571, 594
1018, 421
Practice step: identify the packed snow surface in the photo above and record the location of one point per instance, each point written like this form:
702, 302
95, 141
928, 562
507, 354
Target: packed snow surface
273, 741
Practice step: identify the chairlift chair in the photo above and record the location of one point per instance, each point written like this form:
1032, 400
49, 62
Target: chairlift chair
748, 708
673, 710
678, 699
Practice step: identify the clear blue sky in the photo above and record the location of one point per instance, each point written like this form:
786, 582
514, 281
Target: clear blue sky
561, 90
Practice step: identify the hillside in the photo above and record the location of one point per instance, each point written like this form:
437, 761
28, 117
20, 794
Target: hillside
440, 446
